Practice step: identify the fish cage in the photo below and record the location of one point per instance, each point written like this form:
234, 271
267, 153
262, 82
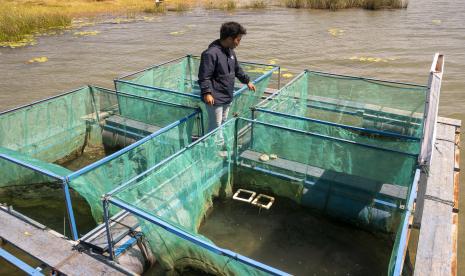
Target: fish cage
255, 203
176, 81
376, 112
63, 153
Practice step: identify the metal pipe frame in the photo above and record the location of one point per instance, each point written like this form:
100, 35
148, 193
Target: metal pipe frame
367, 79
69, 206
188, 237
41, 101
246, 62
166, 160
156, 88
119, 93
151, 67
329, 137
19, 263
106, 218
240, 91
373, 131
257, 80
269, 98
128, 148
402, 236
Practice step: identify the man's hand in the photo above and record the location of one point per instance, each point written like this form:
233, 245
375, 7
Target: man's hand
208, 98
251, 86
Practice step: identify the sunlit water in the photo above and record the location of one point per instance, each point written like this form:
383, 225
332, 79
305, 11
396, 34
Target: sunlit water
403, 40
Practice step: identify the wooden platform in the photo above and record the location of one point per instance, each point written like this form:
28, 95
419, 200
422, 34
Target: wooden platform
436, 211
51, 248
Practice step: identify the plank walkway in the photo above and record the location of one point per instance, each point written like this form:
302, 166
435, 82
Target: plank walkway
51, 248
437, 205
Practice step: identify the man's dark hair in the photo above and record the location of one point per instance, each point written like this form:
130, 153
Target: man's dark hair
231, 29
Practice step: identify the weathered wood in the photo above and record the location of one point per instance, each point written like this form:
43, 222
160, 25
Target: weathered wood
440, 183
449, 121
51, 248
437, 204
434, 254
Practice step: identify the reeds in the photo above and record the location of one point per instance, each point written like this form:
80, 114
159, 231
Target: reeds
345, 4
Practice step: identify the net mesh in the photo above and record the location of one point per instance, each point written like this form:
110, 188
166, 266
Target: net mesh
331, 176
384, 114
60, 135
176, 82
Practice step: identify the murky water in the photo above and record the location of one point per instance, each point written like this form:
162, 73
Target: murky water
404, 41
45, 203
293, 239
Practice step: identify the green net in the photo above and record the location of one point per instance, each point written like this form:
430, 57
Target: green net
176, 82
373, 112
341, 179
94, 137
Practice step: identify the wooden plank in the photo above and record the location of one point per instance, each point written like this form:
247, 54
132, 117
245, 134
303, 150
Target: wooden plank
440, 183
51, 248
436, 208
449, 121
435, 254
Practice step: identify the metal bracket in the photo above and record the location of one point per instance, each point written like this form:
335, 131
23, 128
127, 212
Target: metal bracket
244, 195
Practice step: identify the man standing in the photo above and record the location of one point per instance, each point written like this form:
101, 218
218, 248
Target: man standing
218, 69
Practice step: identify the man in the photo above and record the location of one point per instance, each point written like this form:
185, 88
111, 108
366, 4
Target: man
218, 69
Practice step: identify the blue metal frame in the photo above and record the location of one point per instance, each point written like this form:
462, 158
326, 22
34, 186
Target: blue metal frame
41, 101
328, 137
166, 160
19, 263
120, 80
69, 207
404, 233
186, 236
151, 67
66, 179
365, 78
155, 88
128, 148
373, 131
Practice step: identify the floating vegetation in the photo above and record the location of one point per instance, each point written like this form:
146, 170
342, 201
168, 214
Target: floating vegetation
273, 61
436, 21
177, 33
335, 32
28, 40
372, 59
86, 33
38, 60
287, 75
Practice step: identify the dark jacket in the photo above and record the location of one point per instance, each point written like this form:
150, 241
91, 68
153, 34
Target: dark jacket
218, 69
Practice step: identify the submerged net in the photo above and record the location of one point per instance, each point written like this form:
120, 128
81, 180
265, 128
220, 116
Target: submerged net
176, 82
380, 113
341, 179
50, 134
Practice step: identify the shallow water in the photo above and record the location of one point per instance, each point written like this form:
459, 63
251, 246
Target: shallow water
406, 39
45, 203
295, 240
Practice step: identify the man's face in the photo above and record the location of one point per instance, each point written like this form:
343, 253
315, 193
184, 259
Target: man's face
233, 42
236, 41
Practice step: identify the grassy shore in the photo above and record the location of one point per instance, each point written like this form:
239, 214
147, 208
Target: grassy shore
21, 19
